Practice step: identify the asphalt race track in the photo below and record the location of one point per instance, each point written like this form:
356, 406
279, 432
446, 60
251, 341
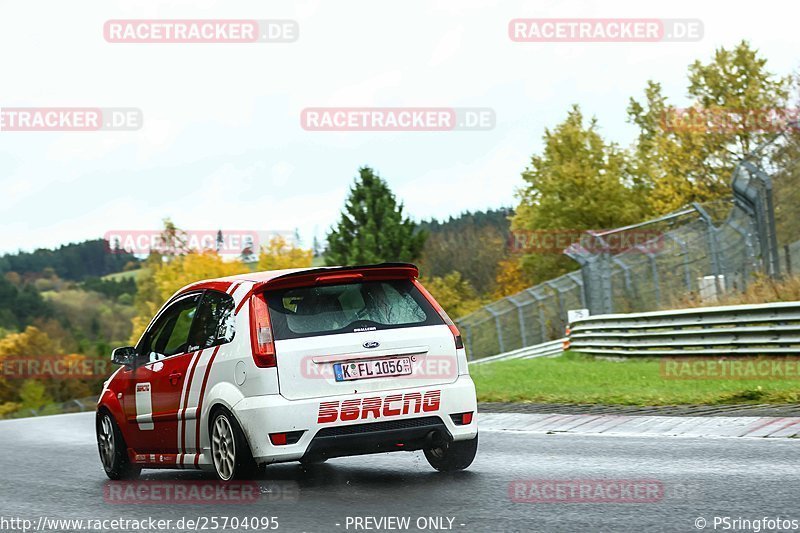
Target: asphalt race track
50, 467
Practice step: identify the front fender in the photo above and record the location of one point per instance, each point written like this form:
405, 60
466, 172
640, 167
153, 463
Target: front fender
108, 400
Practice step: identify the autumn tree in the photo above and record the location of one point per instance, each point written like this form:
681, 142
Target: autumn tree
280, 254
688, 155
160, 279
509, 279
578, 182
455, 294
172, 241
18, 392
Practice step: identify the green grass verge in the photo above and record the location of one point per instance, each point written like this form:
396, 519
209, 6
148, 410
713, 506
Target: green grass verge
579, 379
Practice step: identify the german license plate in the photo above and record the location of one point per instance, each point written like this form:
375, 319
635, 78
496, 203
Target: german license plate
397, 366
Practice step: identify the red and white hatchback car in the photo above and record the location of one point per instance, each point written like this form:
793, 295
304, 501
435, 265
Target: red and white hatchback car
290, 365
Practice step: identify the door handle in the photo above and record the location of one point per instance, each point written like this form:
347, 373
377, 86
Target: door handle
175, 377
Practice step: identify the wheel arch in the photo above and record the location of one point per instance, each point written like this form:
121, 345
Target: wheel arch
222, 396
109, 402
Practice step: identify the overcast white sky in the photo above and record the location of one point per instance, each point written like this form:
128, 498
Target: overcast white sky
222, 145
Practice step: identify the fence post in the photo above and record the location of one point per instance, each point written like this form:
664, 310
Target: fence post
469, 340
712, 244
752, 191
712, 238
577, 281
687, 273
521, 318
654, 269
788, 252
562, 312
496, 315
626, 274
592, 290
749, 254
604, 258
542, 325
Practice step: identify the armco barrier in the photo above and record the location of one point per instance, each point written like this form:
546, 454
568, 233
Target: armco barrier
546, 349
726, 330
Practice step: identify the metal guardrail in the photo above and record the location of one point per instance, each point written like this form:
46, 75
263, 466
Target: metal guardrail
725, 330
546, 349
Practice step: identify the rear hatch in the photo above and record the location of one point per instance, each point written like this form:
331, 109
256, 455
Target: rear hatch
358, 334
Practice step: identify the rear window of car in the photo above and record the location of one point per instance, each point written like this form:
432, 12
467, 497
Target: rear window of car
349, 308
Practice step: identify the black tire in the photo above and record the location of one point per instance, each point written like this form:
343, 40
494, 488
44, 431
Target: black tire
453, 456
113, 450
241, 465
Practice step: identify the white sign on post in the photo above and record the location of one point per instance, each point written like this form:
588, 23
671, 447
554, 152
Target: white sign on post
574, 315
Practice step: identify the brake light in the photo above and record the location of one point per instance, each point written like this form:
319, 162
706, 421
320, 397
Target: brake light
348, 277
442, 313
261, 333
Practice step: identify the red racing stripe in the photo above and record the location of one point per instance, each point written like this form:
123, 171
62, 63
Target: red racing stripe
200, 405
185, 403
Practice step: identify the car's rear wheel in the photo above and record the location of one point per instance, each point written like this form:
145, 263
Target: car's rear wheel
452, 456
113, 450
229, 449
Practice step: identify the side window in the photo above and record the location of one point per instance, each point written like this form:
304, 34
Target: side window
170, 333
214, 323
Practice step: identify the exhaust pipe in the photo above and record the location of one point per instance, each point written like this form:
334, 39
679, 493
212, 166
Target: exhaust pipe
436, 439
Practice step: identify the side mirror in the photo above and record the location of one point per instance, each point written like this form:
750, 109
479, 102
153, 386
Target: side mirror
124, 356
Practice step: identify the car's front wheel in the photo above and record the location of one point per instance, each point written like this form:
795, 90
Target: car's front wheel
113, 450
229, 450
452, 456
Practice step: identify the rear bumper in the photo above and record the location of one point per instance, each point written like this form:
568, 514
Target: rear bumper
261, 416
376, 437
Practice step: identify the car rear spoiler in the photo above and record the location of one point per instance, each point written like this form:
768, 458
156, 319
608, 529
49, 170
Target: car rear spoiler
329, 275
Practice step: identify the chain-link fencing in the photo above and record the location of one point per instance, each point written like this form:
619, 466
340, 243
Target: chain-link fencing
694, 254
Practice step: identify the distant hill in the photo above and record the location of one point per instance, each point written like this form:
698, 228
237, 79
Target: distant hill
496, 218
74, 261
470, 243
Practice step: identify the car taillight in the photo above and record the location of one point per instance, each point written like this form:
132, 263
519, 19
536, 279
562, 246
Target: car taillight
261, 333
443, 314
282, 439
462, 419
